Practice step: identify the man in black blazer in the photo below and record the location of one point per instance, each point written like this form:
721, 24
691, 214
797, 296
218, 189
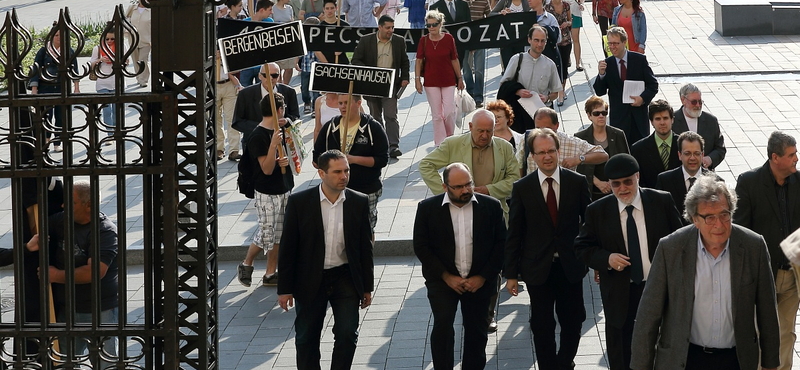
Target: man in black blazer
458, 238
317, 269
547, 208
769, 204
659, 151
603, 245
384, 110
704, 123
462, 14
247, 113
677, 181
629, 117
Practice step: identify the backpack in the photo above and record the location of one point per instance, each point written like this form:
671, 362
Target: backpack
246, 182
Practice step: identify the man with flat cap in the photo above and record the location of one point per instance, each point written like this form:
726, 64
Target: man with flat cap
621, 248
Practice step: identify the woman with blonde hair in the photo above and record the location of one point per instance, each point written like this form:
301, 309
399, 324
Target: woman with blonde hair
436, 56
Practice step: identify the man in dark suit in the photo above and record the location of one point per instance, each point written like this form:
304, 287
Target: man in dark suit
659, 151
622, 261
455, 11
326, 256
458, 238
678, 181
384, 110
769, 204
690, 117
547, 208
247, 113
612, 73
710, 300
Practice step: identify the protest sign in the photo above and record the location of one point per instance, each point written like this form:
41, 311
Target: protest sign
368, 81
261, 46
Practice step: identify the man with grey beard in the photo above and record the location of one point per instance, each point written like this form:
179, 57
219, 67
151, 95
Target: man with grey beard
690, 117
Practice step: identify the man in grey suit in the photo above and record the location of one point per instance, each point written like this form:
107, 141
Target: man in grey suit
707, 284
690, 117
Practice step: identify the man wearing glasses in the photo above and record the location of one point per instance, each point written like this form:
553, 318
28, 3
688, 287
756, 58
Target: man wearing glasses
621, 248
458, 238
547, 208
678, 181
709, 302
612, 73
690, 117
247, 113
769, 204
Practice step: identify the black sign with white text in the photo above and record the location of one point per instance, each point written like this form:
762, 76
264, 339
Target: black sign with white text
494, 32
369, 81
261, 46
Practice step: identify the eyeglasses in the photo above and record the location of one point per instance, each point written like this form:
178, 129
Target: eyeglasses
431, 25
599, 113
618, 183
109, 39
460, 187
712, 219
696, 102
549, 152
614, 43
273, 75
692, 154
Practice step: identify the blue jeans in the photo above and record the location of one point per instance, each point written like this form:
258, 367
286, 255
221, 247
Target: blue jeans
110, 345
249, 76
109, 111
337, 288
54, 114
474, 60
309, 97
417, 24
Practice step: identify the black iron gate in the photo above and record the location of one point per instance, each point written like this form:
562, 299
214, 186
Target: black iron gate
155, 164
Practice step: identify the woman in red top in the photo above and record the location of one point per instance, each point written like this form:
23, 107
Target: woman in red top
437, 55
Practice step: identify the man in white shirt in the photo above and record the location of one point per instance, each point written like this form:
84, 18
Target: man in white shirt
320, 263
458, 238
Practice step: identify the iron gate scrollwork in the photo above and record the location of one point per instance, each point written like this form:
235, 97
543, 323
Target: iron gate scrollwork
158, 152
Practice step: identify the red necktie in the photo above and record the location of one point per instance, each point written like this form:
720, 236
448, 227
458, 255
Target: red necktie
623, 72
551, 201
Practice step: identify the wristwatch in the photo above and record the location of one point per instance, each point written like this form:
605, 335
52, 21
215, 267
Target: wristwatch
583, 158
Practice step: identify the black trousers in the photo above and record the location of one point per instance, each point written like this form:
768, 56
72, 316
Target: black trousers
700, 359
567, 298
337, 288
444, 303
618, 340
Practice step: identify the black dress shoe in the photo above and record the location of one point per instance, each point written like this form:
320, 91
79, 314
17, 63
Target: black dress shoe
493, 326
394, 153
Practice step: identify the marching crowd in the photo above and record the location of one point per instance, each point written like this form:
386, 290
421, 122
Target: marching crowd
691, 272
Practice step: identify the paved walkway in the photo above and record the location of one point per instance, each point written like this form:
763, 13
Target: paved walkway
736, 75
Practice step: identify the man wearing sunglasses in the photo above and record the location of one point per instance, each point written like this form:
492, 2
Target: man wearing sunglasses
618, 240
710, 299
690, 117
247, 114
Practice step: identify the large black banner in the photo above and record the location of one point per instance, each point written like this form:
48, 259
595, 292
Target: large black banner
256, 47
494, 32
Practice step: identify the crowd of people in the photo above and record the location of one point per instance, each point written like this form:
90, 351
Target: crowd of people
683, 261
691, 272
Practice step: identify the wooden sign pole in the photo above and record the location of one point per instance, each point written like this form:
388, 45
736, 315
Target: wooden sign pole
338, 24
51, 307
344, 126
274, 114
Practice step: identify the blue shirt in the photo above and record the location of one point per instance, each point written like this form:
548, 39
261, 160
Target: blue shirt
359, 12
712, 317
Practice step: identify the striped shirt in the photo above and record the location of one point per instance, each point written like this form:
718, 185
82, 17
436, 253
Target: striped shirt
479, 9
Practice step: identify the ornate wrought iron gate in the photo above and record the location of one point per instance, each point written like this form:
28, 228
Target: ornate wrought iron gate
161, 143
